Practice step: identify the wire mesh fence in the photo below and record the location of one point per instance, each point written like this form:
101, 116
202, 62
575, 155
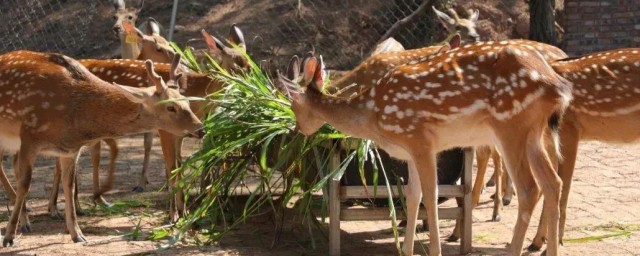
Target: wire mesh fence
69, 27
343, 31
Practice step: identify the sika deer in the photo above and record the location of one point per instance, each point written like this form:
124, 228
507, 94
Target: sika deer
415, 112
606, 108
52, 105
122, 14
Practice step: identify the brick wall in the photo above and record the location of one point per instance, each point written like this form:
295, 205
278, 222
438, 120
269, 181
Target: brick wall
596, 25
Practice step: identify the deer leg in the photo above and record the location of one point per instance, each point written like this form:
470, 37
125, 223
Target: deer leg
95, 161
551, 187
180, 203
426, 165
144, 179
528, 191
413, 195
498, 173
509, 191
23, 166
53, 197
168, 143
8, 188
482, 157
76, 200
570, 139
67, 164
491, 182
25, 225
106, 187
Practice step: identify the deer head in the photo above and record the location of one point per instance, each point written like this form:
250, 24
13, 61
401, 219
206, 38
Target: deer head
227, 57
152, 47
465, 27
122, 13
167, 103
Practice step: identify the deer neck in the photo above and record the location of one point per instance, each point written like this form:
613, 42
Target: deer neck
346, 115
128, 50
111, 116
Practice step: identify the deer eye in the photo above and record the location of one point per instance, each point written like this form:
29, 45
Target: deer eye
130, 17
171, 109
115, 17
459, 28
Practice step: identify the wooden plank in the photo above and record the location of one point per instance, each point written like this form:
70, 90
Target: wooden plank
334, 210
466, 236
347, 192
354, 214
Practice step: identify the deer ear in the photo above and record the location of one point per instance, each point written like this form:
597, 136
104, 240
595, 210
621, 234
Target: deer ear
139, 9
118, 4
213, 43
236, 37
288, 87
473, 15
161, 87
293, 72
455, 41
131, 93
153, 27
444, 18
318, 78
309, 65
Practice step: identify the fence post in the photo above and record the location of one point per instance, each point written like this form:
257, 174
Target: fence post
172, 23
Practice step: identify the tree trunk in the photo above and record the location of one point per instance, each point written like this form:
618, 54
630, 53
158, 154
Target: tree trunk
541, 21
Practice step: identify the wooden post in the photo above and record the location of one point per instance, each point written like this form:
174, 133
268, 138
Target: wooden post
467, 219
334, 209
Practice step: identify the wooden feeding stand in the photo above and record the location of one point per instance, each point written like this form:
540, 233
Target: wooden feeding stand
338, 193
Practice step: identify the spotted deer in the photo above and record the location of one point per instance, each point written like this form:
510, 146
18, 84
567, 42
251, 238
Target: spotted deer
192, 84
606, 108
484, 93
153, 47
454, 24
503, 184
52, 105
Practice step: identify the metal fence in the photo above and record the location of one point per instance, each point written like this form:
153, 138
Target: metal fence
343, 31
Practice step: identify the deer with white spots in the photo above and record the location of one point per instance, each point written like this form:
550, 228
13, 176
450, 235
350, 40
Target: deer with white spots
606, 108
191, 84
466, 26
51, 105
460, 98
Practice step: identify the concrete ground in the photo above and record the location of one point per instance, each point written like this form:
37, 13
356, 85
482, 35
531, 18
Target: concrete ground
604, 201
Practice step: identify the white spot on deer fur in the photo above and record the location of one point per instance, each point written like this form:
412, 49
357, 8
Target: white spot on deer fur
393, 128
45, 105
370, 104
626, 68
390, 109
108, 72
535, 75
60, 107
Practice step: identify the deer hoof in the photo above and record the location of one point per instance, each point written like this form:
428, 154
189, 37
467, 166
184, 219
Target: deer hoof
79, 239
533, 248
496, 218
490, 183
56, 215
25, 228
506, 201
453, 238
7, 242
138, 189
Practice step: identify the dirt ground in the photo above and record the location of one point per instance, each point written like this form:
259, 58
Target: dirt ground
604, 202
